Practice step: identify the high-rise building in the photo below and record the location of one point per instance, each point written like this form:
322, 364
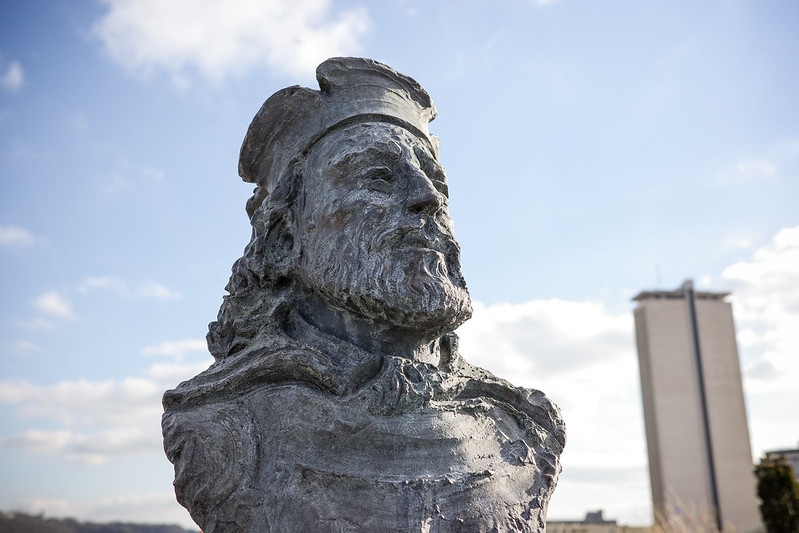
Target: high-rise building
697, 437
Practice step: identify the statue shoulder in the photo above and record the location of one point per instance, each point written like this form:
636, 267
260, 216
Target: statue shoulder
535, 406
260, 367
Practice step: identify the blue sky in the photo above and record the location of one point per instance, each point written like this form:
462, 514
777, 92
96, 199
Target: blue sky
594, 149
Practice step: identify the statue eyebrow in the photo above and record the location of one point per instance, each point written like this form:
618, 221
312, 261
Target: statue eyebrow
434, 170
427, 160
381, 156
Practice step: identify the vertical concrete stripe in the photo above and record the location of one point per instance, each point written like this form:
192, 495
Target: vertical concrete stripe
691, 301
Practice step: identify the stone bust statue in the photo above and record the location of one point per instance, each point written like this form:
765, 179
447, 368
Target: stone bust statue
338, 400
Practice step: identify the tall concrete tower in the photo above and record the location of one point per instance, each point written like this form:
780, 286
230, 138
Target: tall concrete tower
696, 431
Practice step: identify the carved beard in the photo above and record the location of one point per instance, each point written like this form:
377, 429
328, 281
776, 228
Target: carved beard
406, 276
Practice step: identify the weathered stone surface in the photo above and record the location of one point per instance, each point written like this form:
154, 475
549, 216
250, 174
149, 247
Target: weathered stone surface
338, 400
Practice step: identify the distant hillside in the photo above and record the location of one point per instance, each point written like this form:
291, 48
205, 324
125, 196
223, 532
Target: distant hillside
24, 523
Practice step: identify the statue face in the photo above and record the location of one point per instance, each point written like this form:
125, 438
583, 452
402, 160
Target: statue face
377, 233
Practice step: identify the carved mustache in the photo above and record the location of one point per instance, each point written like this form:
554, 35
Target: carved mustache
421, 235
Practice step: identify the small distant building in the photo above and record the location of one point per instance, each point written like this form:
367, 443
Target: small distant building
791, 457
593, 522
697, 437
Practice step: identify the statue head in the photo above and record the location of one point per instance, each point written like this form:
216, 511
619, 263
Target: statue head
349, 212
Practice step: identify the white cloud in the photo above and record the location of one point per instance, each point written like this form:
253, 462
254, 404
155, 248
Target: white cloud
176, 348
177, 370
16, 236
544, 337
173, 373
146, 290
89, 448
742, 241
39, 441
99, 420
220, 38
765, 296
155, 291
777, 161
84, 403
25, 346
14, 78
103, 283
54, 304
754, 169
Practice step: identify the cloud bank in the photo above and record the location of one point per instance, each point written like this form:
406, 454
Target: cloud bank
217, 39
100, 420
766, 306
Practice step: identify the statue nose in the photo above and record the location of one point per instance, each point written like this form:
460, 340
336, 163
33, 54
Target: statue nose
423, 197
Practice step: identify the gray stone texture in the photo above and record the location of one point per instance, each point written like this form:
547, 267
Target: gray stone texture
338, 400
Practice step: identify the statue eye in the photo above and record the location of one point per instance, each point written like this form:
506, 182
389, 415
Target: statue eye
441, 185
379, 179
438, 178
435, 172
